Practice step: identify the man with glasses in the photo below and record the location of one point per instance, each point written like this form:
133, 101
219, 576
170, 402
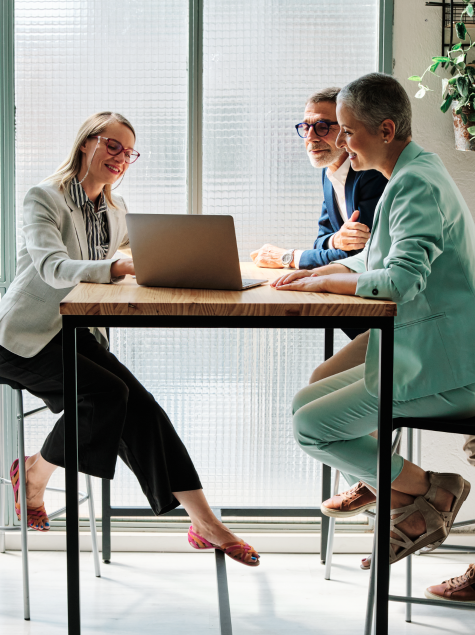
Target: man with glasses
349, 197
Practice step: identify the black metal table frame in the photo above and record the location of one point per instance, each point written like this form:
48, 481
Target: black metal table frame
385, 396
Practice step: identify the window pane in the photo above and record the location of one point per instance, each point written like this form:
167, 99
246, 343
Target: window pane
74, 58
261, 61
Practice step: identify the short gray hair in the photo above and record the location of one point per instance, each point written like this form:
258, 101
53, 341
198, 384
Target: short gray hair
375, 97
325, 94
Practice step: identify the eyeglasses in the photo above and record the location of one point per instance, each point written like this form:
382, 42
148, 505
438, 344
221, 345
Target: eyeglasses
321, 128
114, 148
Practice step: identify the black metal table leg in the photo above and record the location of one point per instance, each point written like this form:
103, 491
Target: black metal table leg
385, 428
106, 521
71, 465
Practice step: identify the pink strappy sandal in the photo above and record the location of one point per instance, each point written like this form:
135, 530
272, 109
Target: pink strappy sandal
239, 551
35, 515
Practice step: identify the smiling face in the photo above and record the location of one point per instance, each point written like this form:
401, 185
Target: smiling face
106, 169
366, 151
322, 151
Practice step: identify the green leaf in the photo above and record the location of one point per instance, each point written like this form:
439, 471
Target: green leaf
445, 83
464, 119
446, 103
433, 68
457, 47
461, 30
460, 59
469, 10
441, 59
415, 78
471, 130
462, 86
420, 93
471, 116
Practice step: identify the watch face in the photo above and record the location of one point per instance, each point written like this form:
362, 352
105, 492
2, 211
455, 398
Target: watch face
287, 258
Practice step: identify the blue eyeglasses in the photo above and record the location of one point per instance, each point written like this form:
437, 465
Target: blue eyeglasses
321, 128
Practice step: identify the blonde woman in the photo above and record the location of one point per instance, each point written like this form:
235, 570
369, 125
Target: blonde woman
73, 227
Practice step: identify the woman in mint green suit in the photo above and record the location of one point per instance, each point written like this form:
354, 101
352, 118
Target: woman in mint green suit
421, 255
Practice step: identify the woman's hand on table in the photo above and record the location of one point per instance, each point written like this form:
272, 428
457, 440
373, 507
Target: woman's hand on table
319, 281
122, 267
305, 282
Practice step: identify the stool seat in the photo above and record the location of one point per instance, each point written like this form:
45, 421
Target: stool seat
456, 426
10, 382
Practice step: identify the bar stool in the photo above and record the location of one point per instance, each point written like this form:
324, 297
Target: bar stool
450, 426
83, 497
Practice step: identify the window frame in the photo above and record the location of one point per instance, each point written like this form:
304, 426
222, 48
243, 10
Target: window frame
194, 160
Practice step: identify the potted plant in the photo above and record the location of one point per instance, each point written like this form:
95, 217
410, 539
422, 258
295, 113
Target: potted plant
458, 91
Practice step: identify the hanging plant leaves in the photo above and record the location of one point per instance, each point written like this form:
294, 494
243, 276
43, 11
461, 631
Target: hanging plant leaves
415, 78
457, 47
471, 117
433, 68
446, 103
445, 83
459, 59
461, 31
469, 10
462, 86
441, 59
464, 119
471, 130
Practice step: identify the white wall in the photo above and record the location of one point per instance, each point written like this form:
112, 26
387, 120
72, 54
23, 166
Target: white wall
417, 37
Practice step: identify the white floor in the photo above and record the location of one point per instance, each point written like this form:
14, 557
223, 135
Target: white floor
145, 594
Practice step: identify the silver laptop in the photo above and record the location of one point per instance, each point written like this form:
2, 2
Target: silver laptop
186, 251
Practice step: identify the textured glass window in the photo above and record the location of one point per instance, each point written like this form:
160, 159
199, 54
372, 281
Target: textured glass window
261, 61
74, 58
228, 391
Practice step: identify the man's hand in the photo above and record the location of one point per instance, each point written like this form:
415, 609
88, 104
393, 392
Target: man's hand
351, 235
122, 267
268, 256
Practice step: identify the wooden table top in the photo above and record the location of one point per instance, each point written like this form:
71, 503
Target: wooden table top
128, 298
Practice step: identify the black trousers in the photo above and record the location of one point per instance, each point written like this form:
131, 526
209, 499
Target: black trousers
116, 415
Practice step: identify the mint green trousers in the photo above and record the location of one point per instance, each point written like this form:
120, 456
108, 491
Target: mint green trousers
333, 418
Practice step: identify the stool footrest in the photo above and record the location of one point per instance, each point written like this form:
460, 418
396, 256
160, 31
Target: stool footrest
445, 603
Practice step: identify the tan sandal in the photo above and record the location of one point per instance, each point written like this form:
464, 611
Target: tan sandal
436, 530
456, 485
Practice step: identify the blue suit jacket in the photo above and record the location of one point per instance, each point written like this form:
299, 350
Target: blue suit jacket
362, 191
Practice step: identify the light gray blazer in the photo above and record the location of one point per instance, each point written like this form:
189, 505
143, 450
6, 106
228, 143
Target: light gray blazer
52, 260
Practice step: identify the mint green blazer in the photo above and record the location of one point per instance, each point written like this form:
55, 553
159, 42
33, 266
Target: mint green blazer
421, 255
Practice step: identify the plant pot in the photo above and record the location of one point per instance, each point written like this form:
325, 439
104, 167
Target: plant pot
462, 136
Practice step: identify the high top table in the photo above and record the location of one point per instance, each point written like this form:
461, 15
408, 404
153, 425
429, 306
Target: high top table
128, 305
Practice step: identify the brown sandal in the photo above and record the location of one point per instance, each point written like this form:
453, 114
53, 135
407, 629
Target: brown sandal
456, 485
436, 530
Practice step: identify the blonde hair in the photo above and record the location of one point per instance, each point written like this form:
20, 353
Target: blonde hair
69, 168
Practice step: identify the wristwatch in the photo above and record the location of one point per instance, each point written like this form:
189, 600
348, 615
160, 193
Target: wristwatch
287, 258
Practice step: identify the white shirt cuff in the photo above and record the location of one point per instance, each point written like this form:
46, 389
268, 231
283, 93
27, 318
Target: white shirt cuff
330, 242
297, 255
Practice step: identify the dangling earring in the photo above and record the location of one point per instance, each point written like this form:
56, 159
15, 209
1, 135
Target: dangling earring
114, 188
98, 141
